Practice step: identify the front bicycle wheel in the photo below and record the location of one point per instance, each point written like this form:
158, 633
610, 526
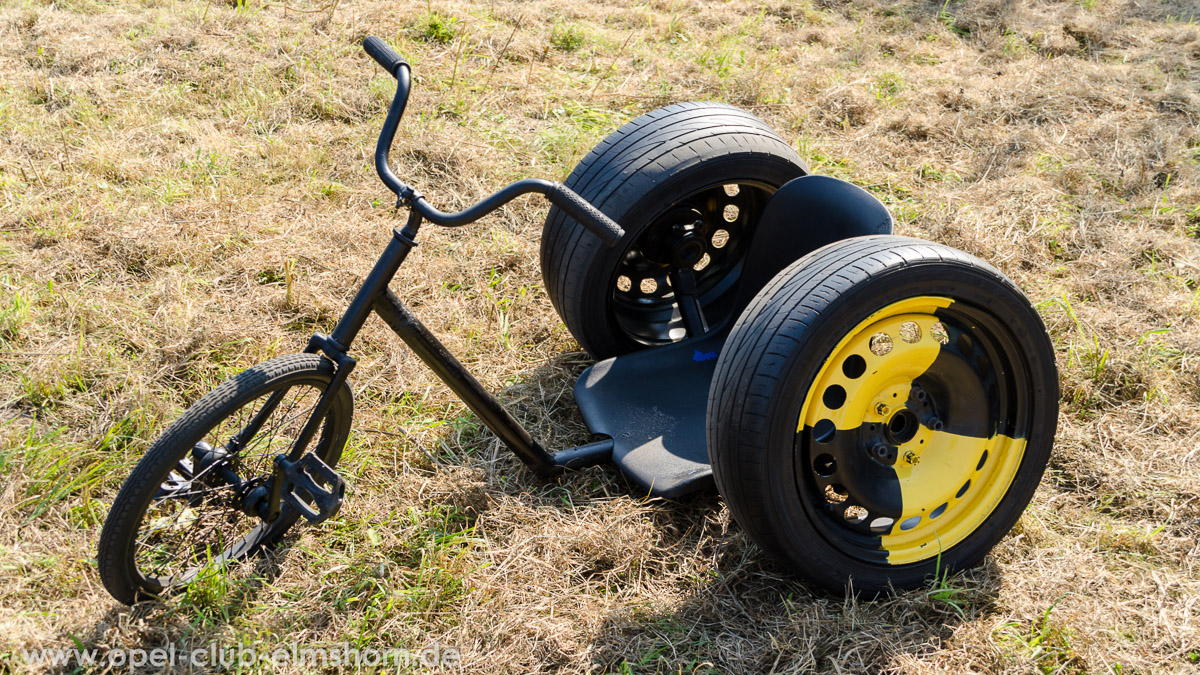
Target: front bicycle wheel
188, 507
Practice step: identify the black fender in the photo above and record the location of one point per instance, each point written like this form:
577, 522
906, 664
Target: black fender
805, 214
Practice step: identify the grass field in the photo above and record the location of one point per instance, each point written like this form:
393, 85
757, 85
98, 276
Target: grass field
187, 190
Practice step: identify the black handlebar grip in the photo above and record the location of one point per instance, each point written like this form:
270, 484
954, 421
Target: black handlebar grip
383, 54
589, 216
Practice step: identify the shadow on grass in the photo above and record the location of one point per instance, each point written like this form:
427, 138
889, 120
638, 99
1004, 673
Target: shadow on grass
751, 615
742, 610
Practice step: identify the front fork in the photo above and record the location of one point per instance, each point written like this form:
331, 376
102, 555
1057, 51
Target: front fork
293, 469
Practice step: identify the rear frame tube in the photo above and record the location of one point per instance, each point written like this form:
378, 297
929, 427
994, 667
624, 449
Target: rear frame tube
452, 372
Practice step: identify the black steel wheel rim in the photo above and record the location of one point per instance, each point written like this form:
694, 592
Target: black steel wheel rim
643, 302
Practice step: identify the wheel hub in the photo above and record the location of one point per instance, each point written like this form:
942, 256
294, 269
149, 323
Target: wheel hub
662, 242
214, 467
689, 247
901, 427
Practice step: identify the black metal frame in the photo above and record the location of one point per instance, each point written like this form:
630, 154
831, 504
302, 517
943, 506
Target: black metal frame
374, 296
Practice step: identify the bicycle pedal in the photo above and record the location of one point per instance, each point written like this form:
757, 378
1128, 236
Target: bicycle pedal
302, 492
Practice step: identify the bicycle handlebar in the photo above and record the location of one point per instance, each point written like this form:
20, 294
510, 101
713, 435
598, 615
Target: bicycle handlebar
585, 213
383, 54
560, 195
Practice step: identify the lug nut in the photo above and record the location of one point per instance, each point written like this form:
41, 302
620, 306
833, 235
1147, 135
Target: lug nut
882, 409
880, 451
936, 424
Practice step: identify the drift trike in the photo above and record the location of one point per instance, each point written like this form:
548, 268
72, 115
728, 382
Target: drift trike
874, 409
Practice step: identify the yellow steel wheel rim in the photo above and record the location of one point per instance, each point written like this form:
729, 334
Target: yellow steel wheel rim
942, 485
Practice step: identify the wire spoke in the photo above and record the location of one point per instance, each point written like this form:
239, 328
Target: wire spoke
190, 522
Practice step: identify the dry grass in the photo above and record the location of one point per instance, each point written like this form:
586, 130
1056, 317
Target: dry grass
164, 164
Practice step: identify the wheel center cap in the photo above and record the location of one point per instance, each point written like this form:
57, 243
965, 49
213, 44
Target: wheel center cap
901, 427
688, 251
